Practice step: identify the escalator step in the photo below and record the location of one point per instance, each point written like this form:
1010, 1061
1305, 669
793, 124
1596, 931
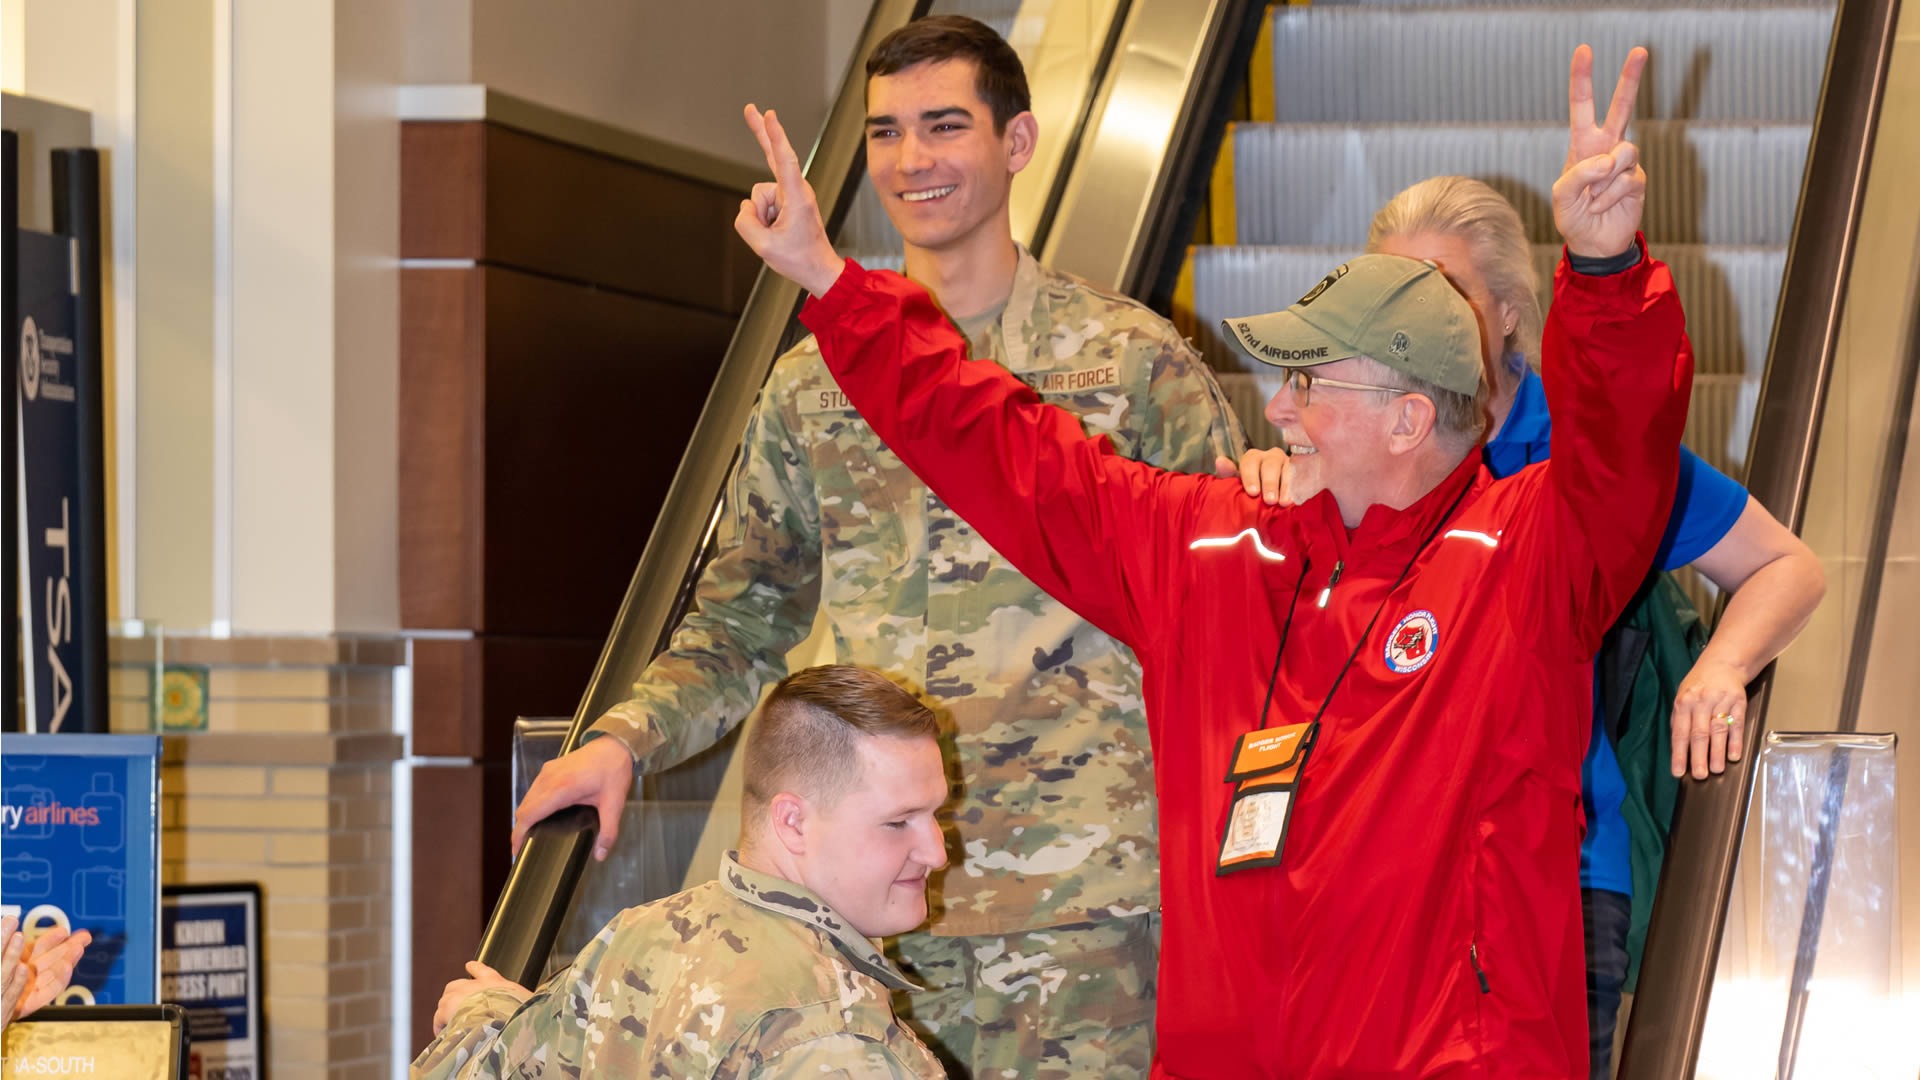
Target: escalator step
1381, 65
1729, 293
1320, 184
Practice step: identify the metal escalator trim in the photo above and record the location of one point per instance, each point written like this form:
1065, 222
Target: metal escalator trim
1144, 140
1690, 910
525, 920
1082, 124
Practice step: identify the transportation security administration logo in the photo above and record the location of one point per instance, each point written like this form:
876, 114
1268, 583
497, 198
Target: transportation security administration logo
30, 359
1413, 642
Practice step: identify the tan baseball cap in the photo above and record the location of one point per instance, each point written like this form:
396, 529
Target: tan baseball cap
1402, 312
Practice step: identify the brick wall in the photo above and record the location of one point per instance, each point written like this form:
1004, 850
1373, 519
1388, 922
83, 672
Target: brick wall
291, 786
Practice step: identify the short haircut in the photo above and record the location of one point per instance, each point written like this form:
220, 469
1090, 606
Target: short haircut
807, 739
1460, 419
1466, 208
998, 76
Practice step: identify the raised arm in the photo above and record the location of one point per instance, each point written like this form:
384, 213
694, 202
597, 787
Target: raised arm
1616, 362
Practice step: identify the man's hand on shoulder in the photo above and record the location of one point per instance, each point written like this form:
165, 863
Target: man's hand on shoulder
459, 990
1602, 190
1265, 475
598, 774
781, 222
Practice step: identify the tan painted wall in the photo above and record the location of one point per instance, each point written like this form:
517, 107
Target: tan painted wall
651, 67
369, 60
173, 333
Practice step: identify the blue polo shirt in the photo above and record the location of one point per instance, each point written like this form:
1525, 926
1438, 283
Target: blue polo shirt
1705, 505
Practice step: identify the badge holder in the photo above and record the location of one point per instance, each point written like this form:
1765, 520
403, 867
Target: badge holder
1266, 767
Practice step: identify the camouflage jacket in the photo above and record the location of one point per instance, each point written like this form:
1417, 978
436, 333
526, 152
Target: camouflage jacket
748, 976
1054, 810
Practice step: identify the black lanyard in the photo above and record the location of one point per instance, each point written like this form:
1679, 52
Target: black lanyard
1287, 626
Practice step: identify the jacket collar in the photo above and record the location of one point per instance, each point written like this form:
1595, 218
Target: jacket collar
1384, 531
783, 897
1026, 320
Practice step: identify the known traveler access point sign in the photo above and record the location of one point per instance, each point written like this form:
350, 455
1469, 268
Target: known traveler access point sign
210, 965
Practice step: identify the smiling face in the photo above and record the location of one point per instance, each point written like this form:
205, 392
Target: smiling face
868, 852
940, 169
1339, 436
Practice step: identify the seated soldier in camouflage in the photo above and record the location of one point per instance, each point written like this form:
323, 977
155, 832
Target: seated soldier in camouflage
769, 971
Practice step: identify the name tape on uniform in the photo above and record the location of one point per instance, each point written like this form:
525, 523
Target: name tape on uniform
1077, 381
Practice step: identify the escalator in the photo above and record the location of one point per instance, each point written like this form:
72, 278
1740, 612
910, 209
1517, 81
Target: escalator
1135, 99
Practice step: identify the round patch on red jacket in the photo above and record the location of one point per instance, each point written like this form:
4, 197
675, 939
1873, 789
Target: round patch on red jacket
1413, 642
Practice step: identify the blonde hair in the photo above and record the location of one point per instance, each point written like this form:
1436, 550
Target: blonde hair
1463, 207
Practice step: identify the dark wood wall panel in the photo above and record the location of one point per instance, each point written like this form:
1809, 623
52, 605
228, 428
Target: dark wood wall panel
467, 692
442, 389
462, 818
591, 397
447, 696
547, 389
443, 190
449, 841
485, 192
560, 210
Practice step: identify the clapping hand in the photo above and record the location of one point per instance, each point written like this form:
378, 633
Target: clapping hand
1602, 190
34, 975
781, 222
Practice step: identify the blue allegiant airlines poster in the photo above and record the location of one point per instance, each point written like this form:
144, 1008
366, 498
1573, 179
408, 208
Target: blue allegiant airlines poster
80, 848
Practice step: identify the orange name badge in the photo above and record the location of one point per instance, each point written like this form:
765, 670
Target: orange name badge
1269, 750
1266, 766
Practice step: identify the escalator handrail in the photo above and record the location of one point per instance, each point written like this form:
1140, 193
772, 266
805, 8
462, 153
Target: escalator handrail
1690, 910
526, 919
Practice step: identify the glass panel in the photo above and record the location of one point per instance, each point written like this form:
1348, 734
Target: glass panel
1817, 998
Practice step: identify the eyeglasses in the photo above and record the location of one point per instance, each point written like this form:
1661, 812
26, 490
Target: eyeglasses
1301, 381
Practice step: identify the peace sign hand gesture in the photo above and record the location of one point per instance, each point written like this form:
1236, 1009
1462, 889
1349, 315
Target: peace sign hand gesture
1602, 191
781, 222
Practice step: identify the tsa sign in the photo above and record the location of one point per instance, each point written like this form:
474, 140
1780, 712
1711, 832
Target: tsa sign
80, 849
210, 966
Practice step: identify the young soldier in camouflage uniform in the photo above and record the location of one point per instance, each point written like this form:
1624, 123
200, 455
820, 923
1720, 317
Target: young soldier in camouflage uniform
1040, 954
771, 970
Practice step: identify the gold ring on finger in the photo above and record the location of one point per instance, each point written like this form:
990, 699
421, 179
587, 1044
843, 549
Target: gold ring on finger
1725, 718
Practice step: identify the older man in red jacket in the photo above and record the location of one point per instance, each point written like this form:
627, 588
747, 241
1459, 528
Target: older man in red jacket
1367, 709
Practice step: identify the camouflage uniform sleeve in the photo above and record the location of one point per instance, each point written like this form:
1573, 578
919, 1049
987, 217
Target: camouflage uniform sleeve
1189, 421
465, 1048
837, 1056
546, 1036
755, 602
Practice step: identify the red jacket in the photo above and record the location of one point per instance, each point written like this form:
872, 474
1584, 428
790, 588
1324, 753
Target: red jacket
1438, 821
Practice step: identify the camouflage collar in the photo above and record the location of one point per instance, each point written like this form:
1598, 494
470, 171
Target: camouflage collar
783, 897
1025, 321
